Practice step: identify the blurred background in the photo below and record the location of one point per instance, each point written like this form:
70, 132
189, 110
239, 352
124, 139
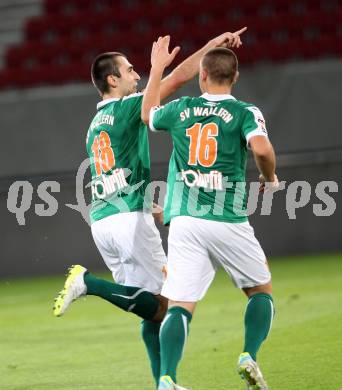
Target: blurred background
290, 67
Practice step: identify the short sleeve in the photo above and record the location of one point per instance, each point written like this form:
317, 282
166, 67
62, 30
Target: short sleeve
253, 124
163, 117
131, 105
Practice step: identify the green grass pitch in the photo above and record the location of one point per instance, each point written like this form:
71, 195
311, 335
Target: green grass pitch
96, 346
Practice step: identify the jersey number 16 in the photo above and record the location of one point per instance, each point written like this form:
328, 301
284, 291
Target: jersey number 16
203, 144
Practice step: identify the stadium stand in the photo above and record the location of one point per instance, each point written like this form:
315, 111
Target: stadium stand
58, 45
13, 14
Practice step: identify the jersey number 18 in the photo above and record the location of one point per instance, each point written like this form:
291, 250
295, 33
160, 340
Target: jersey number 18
103, 153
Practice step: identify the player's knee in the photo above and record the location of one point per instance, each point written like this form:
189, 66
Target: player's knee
265, 288
189, 306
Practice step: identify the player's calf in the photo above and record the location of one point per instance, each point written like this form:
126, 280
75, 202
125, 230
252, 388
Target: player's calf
258, 321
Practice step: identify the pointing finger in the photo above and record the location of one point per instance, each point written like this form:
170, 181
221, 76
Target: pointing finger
239, 32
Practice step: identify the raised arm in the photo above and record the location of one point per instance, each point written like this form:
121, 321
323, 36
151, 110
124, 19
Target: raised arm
188, 69
160, 59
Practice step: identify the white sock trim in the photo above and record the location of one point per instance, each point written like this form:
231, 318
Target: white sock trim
168, 315
131, 296
185, 323
272, 315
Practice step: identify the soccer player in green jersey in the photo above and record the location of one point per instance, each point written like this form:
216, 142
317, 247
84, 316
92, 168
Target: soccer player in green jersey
121, 221
206, 206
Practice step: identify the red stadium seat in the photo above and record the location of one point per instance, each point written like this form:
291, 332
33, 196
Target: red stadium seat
60, 45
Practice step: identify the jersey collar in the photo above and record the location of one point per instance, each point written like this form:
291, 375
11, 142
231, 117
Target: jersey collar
217, 98
106, 101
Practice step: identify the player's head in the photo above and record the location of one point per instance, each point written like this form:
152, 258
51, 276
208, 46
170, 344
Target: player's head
111, 73
218, 67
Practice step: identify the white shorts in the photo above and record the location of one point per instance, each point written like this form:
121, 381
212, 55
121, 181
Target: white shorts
197, 247
130, 245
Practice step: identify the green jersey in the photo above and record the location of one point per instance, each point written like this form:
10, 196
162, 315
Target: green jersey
118, 149
207, 168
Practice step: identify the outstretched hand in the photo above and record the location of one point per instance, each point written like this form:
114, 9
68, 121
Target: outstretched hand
160, 56
230, 40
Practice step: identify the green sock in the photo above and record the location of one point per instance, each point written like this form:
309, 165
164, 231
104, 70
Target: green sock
132, 299
150, 335
173, 334
258, 322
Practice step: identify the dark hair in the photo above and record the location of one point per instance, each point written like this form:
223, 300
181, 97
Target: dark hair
104, 65
221, 65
